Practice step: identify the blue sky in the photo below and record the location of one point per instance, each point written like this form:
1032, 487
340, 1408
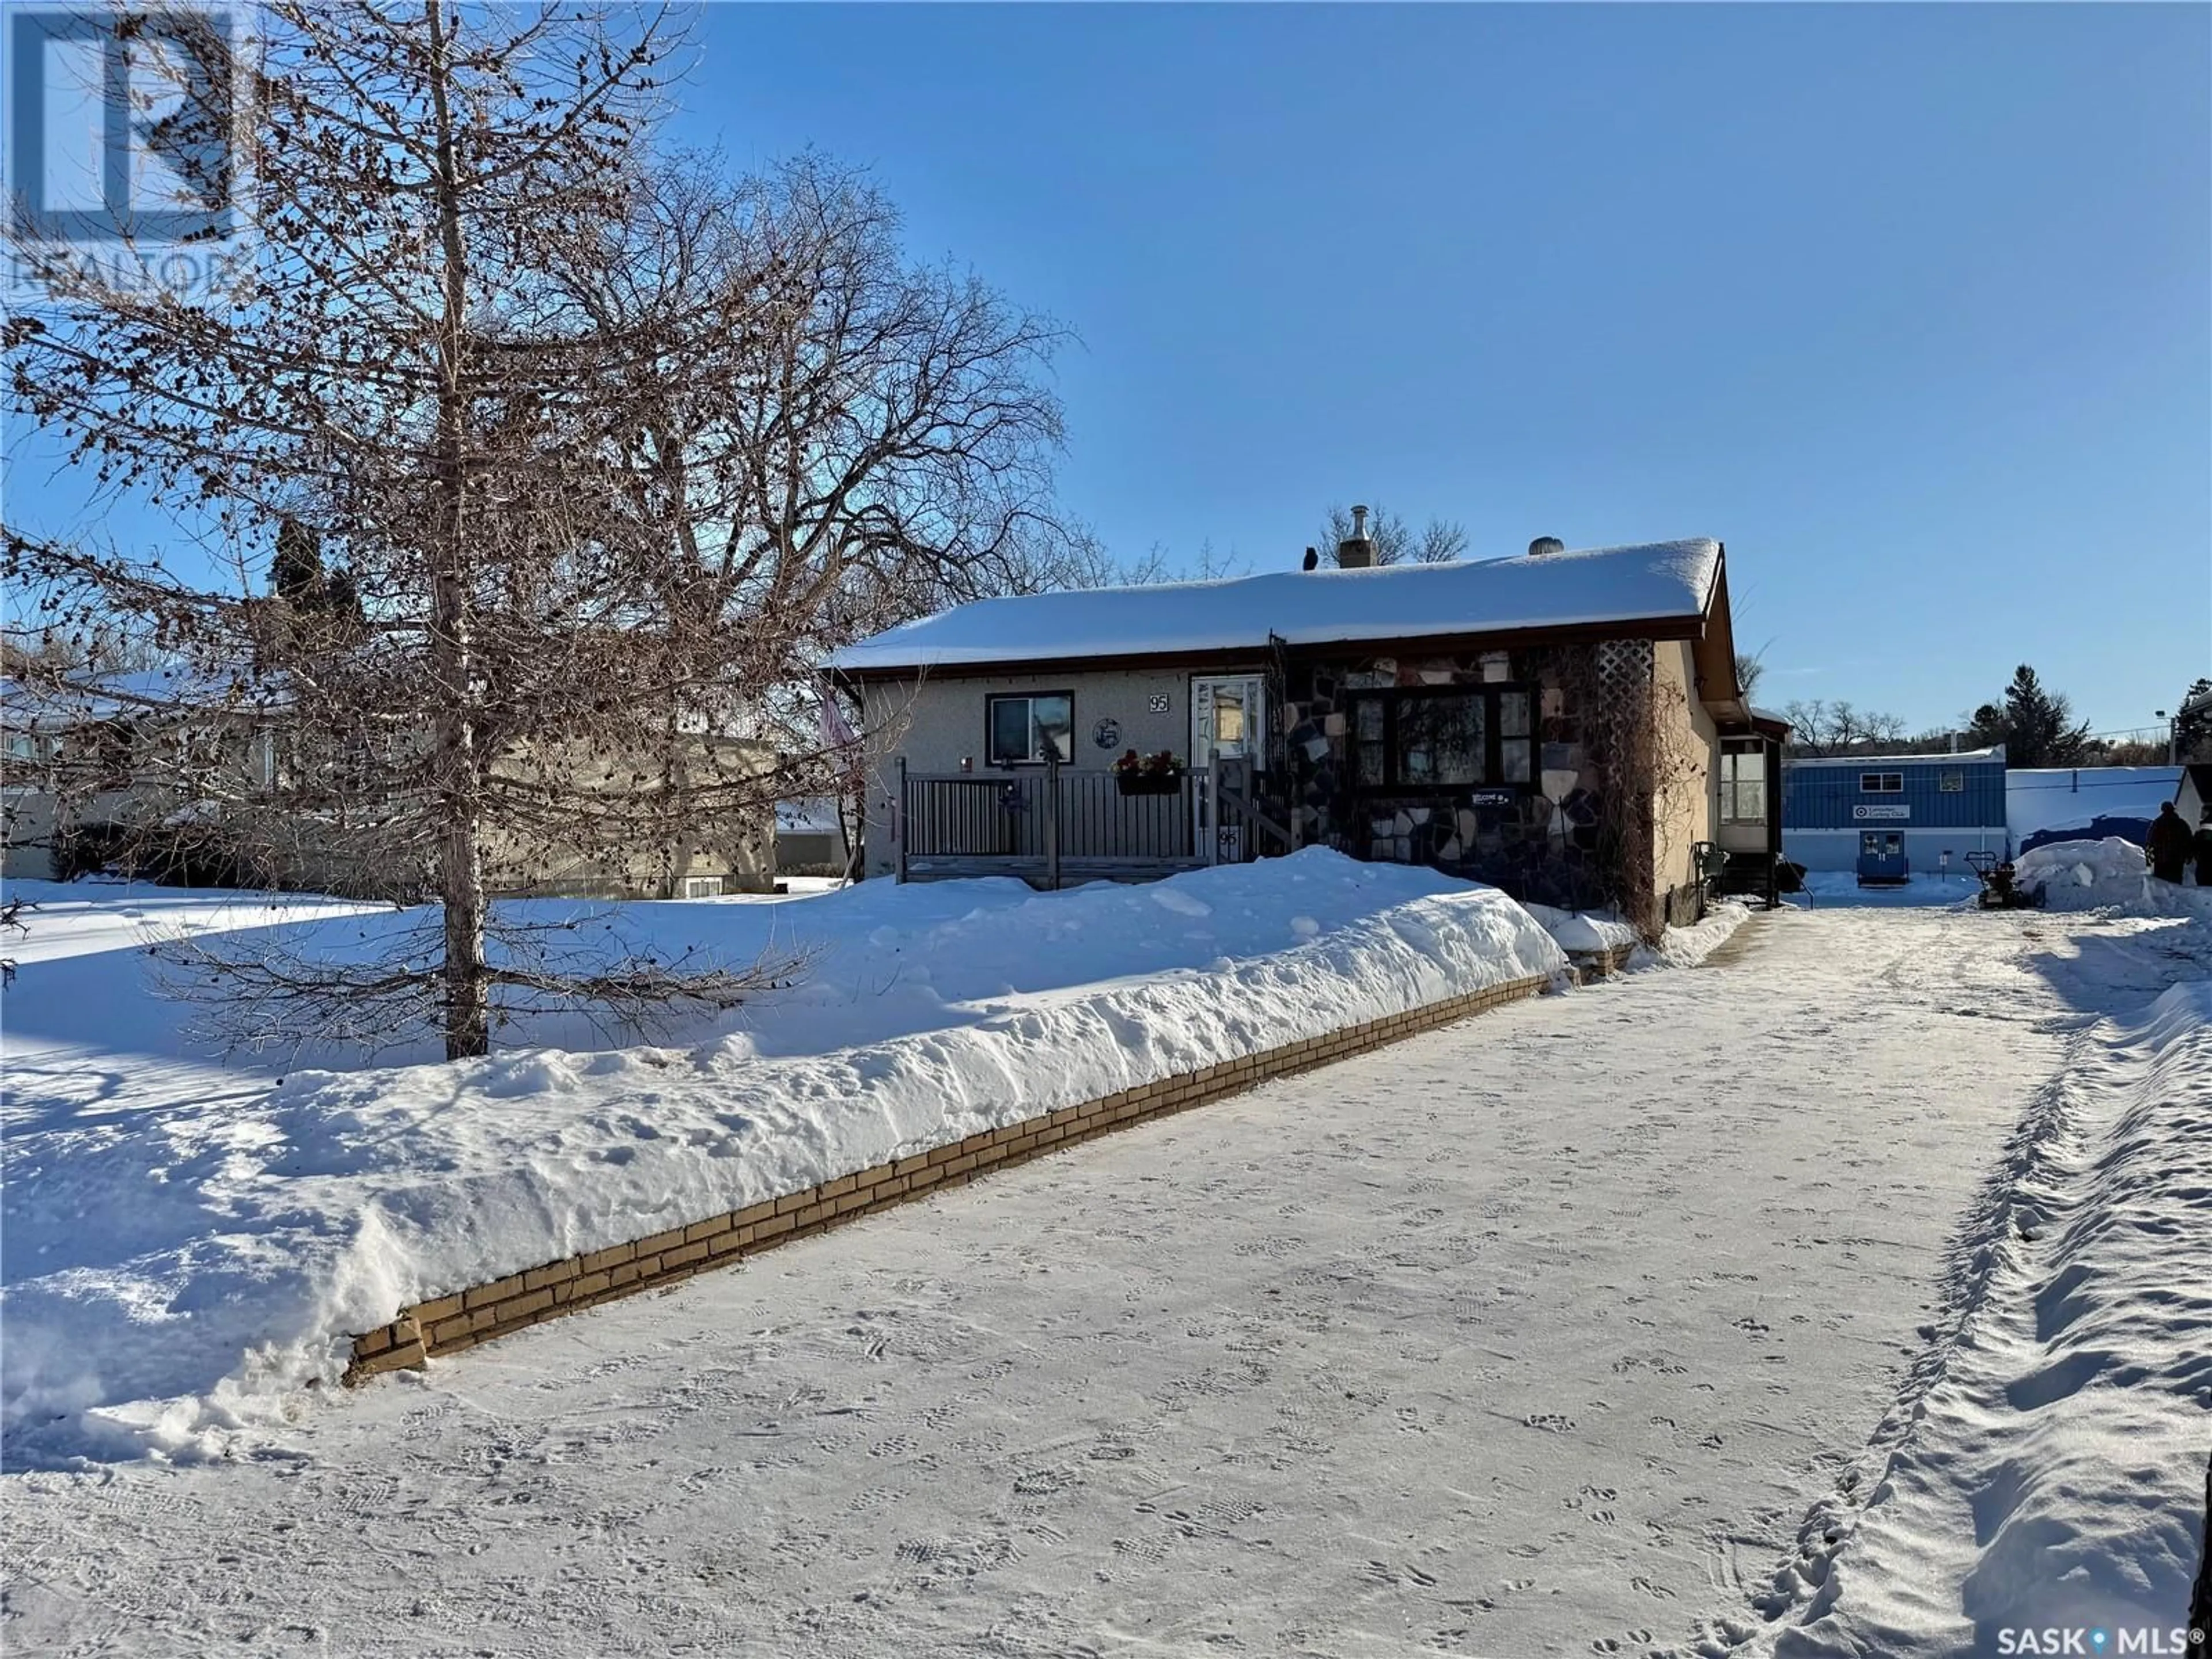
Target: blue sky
1911, 306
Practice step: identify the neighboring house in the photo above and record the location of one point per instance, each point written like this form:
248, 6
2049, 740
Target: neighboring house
1930, 806
105, 769
810, 837
2194, 793
1561, 724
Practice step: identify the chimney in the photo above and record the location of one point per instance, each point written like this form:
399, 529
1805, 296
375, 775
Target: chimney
1356, 552
1544, 545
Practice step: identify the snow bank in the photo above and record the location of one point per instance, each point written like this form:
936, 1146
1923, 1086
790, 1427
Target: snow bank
1583, 932
1588, 932
1687, 947
2047, 1468
185, 1242
2106, 874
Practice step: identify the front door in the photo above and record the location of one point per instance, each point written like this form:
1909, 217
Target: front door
1228, 722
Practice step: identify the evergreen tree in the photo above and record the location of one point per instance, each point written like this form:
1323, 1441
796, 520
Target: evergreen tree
295, 574
2036, 728
2192, 726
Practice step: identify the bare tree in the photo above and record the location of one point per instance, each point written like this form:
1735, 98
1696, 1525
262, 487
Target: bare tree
1750, 669
1818, 728
1440, 541
610, 452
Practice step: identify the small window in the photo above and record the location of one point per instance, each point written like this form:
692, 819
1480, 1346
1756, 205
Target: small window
1882, 783
1517, 754
1022, 731
699, 887
1952, 782
1743, 785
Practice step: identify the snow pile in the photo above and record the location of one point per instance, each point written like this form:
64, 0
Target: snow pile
1583, 932
2087, 875
1687, 947
1592, 933
184, 1242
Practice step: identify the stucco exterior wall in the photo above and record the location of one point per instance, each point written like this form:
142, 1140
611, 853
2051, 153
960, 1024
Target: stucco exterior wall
1689, 804
937, 722
356, 853
27, 823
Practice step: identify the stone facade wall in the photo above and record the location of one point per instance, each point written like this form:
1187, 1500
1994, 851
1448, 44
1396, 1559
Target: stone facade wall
1544, 843
449, 1323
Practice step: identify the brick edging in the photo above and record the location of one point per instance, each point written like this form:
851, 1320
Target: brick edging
448, 1324
1605, 963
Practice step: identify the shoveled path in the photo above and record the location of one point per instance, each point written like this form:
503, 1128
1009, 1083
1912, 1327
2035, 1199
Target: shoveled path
1535, 1335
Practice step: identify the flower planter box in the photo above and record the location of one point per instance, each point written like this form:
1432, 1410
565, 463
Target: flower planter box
1149, 783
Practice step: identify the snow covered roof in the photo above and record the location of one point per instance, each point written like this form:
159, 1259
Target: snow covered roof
39, 706
1661, 581
1876, 763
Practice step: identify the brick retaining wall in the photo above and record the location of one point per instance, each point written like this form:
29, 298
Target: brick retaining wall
448, 1324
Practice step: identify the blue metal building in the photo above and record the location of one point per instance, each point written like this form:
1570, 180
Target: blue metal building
1931, 804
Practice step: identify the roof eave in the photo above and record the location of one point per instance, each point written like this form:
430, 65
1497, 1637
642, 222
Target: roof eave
1689, 627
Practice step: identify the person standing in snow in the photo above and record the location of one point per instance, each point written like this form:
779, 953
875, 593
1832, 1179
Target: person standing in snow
2170, 845
2203, 847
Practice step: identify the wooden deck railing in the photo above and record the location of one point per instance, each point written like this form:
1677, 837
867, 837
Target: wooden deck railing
1050, 821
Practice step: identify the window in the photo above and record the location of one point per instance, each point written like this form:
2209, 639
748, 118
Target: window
700, 887
1882, 783
1452, 738
1442, 740
1743, 785
1022, 730
1951, 782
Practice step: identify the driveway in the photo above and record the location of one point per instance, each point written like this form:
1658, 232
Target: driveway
1538, 1334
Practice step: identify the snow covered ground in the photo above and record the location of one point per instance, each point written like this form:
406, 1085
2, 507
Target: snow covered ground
1825, 888
2038, 1487
1543, 1334
187, 1245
